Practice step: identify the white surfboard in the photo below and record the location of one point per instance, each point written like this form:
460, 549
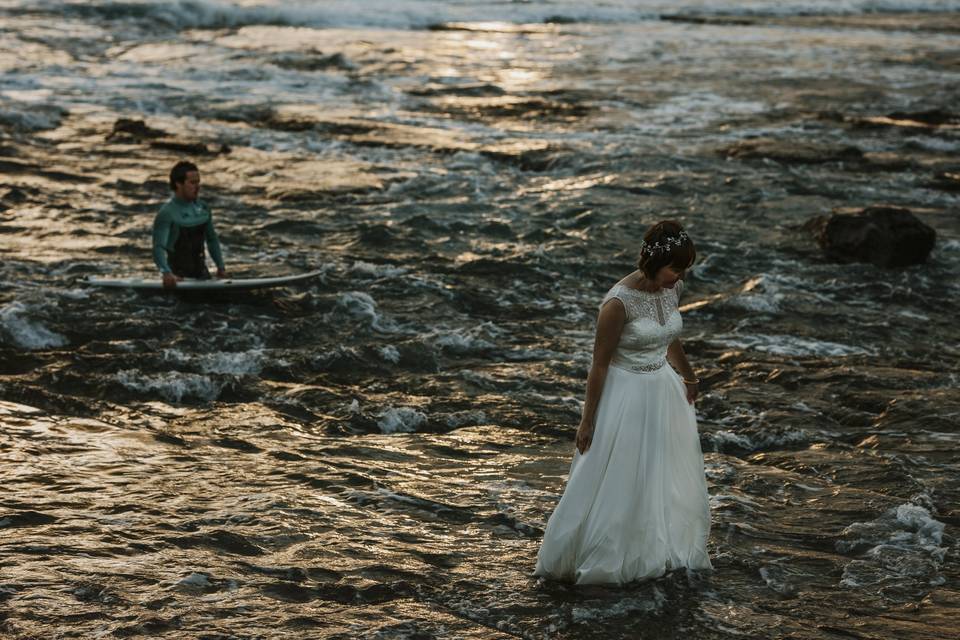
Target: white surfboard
189, 284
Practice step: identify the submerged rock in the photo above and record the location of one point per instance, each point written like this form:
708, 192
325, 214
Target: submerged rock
930, 119
136, 129
946, 181
791, 152
127, 131
884, 236
527, 156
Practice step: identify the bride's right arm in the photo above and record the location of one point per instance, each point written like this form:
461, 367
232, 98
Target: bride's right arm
609, 327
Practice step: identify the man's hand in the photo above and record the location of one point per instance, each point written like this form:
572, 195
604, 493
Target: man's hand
169, 280
221, 274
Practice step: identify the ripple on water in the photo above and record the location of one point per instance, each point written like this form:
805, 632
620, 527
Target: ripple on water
375, 454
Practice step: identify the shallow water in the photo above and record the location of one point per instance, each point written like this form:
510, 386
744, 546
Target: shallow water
376, 454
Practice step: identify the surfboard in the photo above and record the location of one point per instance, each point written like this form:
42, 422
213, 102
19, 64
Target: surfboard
189, 284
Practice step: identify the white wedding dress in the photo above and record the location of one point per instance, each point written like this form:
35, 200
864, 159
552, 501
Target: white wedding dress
636, 502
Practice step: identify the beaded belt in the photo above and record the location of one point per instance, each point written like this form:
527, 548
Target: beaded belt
640, 368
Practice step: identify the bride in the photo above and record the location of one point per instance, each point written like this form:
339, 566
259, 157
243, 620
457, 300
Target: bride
636, 501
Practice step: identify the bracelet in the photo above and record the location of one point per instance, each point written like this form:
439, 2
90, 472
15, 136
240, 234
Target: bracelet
694, 381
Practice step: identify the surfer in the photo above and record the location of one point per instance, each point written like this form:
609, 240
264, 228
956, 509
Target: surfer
182, 227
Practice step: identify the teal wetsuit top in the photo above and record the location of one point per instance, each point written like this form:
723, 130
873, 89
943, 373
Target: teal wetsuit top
191, 218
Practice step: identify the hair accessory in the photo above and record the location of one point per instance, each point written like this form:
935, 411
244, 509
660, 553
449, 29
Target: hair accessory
665, 245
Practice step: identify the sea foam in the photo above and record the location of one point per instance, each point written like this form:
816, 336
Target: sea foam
223, 362
905, 542
25, 332
401, 420
172, 386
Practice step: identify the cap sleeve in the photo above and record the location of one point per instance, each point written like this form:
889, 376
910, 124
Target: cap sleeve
617, 293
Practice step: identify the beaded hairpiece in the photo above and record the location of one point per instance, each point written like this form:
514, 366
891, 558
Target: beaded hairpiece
666, 245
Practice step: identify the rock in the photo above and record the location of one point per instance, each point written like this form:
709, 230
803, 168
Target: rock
14, 196
476, 90
312, 61
128, 131
946, 181
136, 129
527, 156
931, 117
881, 235
791, 152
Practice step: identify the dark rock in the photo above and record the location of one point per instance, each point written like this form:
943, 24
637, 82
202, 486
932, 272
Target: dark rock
558, 19
908, 120
126, 130
312, 61
726, 21
25, 519
221, 540
884, 236
14, 196
946, 181
791, 152
498, 229
376, 234
932, 117
136, 129
526, 156
476, 90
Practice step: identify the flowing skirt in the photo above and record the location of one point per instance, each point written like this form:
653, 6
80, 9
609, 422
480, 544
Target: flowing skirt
636, 502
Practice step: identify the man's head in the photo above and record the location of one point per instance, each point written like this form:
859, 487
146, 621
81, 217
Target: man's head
185, 180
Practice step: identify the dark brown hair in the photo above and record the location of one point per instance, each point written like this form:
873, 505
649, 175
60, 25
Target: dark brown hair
666, 244
179, 173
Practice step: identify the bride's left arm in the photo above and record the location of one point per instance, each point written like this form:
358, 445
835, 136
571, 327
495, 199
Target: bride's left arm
678, 359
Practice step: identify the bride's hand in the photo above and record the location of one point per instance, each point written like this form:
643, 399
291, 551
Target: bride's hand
584, 437
693, 390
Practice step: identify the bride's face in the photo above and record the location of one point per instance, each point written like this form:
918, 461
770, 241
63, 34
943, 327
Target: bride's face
667, 277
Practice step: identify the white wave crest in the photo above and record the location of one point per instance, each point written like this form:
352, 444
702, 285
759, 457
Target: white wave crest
25, 332
401, 420
172, 386
389, 353
790, 345
242, 363
363, 307
474, 340
906, 542
370, 270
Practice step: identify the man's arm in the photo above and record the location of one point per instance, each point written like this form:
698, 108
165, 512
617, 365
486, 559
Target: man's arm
213, 245
161, 236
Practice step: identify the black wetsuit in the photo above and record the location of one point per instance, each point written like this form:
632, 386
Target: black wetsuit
188, 258
181, 232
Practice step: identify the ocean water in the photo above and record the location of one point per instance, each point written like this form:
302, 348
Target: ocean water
375, 454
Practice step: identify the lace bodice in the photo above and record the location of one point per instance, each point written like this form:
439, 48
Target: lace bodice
653, 322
